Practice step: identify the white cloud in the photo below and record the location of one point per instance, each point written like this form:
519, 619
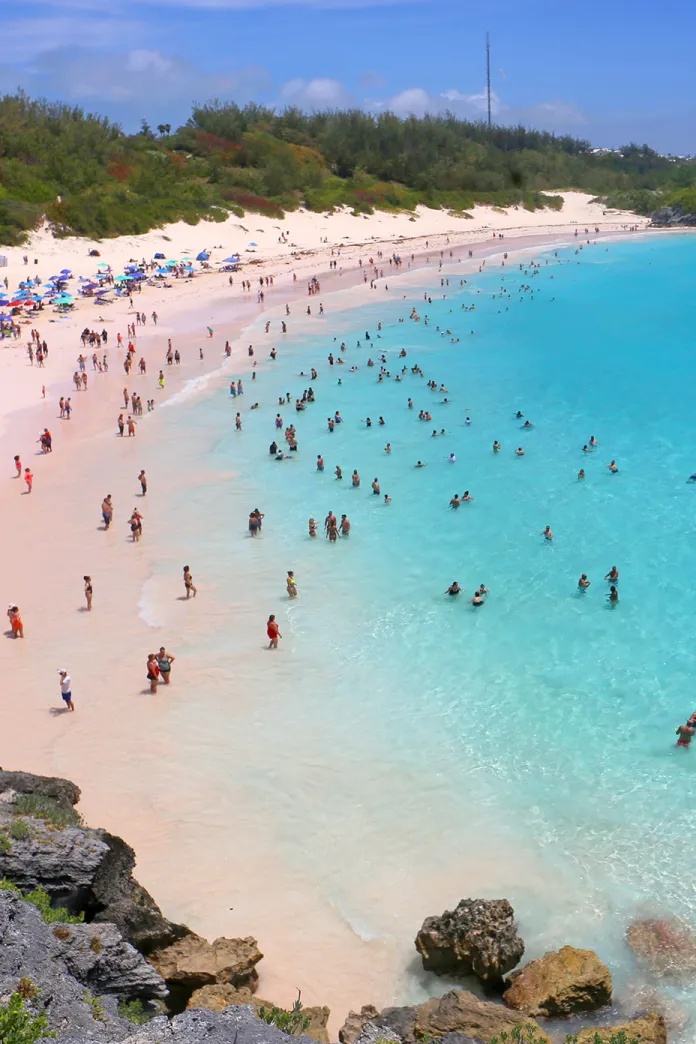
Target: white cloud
413, 101
24, 38
319, 93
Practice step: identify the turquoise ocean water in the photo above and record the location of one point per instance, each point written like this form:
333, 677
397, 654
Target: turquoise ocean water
400, 738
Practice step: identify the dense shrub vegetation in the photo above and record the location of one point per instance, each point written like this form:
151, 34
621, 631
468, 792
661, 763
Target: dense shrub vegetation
87, 177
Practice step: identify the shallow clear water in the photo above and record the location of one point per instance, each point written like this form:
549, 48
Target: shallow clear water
401, 739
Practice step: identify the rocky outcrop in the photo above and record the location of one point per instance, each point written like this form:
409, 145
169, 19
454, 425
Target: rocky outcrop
233, 1026
116, 896
461, 1012
88, 871
479, 937
98, 956
670, 216
221, 996
30, 950
355, 1023
457, 1017
193, 962
560, 983
665, 946
647, 1029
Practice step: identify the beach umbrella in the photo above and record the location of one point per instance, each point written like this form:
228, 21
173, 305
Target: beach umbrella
231, 260
203, 256
64, 299
65, 272
171, 262
253, 244
120, 278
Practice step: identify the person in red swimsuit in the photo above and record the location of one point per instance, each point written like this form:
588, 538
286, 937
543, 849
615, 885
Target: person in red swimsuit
685, 732
273, 632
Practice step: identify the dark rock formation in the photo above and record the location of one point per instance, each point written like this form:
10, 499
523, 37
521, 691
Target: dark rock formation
458, 1017
647, 1029
479, 937
670, 216
221, 996
29, 949
65, 793
116, 896
355, 1023
560, 984
665, 946
98, 956
193, 962
88, 871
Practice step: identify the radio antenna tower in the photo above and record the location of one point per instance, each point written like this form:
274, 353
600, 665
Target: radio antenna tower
488, 77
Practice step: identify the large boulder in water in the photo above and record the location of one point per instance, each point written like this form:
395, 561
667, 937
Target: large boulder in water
560, 984
666, 946
479, 937
646, 1029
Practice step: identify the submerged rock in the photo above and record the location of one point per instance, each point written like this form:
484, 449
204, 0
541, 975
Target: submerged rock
666, 946
479, 937
647, 1029
193, 962
560, 983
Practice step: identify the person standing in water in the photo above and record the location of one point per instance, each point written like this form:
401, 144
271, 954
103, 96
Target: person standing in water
291, 584
273, 632
613, 596
685, 734
188, 583
548, 533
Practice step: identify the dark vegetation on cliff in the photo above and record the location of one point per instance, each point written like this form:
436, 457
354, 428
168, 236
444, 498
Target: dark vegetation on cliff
87, 177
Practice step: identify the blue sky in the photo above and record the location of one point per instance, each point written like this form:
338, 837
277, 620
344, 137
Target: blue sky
595, 70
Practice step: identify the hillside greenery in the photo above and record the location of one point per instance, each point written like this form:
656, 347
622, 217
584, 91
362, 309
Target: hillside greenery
87, 177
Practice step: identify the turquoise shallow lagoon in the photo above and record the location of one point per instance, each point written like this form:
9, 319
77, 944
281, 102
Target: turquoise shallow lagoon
404, 750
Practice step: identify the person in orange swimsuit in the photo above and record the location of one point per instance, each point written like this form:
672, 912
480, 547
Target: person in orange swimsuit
15, 621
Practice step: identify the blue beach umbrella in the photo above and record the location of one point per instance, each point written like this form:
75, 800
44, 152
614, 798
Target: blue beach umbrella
203, 256
231, 260
253, 244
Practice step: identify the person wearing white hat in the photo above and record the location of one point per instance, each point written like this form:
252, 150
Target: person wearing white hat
65, 690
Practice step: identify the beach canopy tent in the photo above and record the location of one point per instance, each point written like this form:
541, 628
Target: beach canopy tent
203, 256
158, 257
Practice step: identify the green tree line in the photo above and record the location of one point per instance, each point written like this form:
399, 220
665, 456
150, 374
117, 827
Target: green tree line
86, 176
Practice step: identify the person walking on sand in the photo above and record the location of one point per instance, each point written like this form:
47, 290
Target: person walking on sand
142, 478
107, 510
13, 615
18, 465
164, 662
153, 672
273, 632
28, 478
88, 592
66, 689
189, 584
